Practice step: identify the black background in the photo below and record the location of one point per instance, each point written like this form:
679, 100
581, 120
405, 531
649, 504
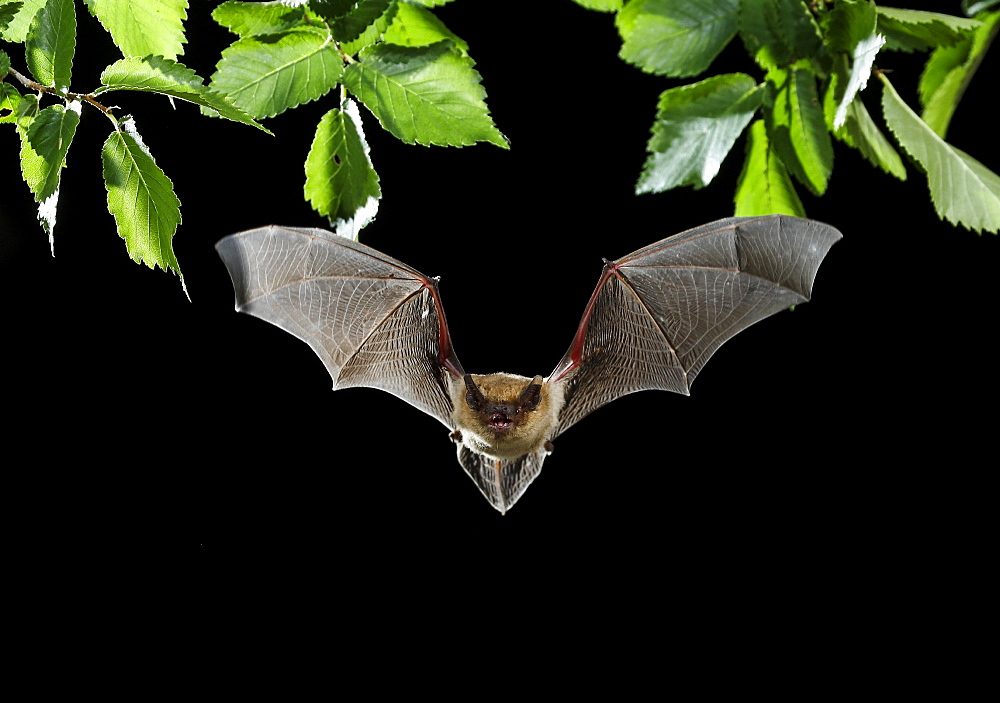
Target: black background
821, 452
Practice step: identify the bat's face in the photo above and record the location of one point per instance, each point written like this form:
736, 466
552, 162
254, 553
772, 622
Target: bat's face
504, 415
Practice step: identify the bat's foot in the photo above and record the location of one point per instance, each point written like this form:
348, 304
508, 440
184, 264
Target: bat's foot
548, 447
456, 436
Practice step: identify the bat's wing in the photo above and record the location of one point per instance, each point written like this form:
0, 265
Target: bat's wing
658, 314
502, 481
374, 321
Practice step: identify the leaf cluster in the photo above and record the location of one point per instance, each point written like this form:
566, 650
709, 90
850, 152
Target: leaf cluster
816, 59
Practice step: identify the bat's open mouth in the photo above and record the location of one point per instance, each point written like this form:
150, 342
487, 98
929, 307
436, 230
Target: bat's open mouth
501, 421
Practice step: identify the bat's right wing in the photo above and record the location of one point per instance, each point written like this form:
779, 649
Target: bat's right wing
658, 314
374, 321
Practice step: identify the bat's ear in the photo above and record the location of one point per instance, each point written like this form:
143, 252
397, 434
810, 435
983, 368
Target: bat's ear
531, 396
473, 396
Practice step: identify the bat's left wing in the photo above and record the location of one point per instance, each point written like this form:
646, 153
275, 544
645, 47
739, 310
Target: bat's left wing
658, 314
373, 320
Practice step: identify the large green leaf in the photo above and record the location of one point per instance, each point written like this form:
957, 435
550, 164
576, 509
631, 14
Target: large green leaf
764, 187
50, 134
340, 181
950, 69
963, 190
155, 74
696, 126
368, 20
915, 30
266, 75
797, 128
417, 26
249, 18
141, 199
424, 95
675, 37
779, 32
851, 29
51, 43
143, 27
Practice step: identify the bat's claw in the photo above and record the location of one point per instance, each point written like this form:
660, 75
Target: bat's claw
548, 447
456, 436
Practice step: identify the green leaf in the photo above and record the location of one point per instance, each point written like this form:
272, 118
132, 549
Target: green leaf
10, 99
430, 3
155, 74
764, 187
368, 20
796, 126
949, 70
696, 126
141, 199
601, 5
962, 189
143, 27
417, 26
914, 30
17, 27
49, 136
51, 42
778, 32
851, 29
266, 75
4, 64
340, 181
861, 132
675, 37
250, 18
8, 10
424, 95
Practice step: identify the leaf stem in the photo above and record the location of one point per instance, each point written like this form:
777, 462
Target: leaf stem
36, 86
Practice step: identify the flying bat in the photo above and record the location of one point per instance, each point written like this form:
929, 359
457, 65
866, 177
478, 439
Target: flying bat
656, 316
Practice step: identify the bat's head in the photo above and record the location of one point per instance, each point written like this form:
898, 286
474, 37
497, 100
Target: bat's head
504, 415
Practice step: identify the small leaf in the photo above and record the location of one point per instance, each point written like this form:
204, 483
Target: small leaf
601, 5
17, 27
143, 27
10, 99
696, 126
851, 29
797, 129
266, 75
764, 187
368, 15
963, 190
250, 18
778, 32
8, 10
340, 181
51, 43
417, 26
155, 74
50, 135
141, 199
861, 132
675, 37
424, 95
4, 64
915, 30
948, 72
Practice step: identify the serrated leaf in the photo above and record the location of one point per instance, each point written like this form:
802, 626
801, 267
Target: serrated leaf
417, 26
963, 190
8, 10
695, 128
949, 70
850, 28
250, 18
675, 37
601, 5
778, 32
143, 27
50, 135
141, 199
764, 186
51, 43
17, 27
797, 129
266, 75
340, 181
155, 74
423, 95
861, 132
10, 99
369, 18
915, 30
4, 64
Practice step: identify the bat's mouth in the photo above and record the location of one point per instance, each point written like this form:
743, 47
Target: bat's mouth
501, 421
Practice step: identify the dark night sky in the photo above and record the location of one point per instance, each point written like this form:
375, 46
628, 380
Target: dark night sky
829, 436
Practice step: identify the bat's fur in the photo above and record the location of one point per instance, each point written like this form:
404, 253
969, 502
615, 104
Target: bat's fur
531, 427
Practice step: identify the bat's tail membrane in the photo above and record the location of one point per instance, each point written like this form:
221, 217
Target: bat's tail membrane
501, 481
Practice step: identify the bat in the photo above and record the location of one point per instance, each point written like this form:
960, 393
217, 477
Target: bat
654, 319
